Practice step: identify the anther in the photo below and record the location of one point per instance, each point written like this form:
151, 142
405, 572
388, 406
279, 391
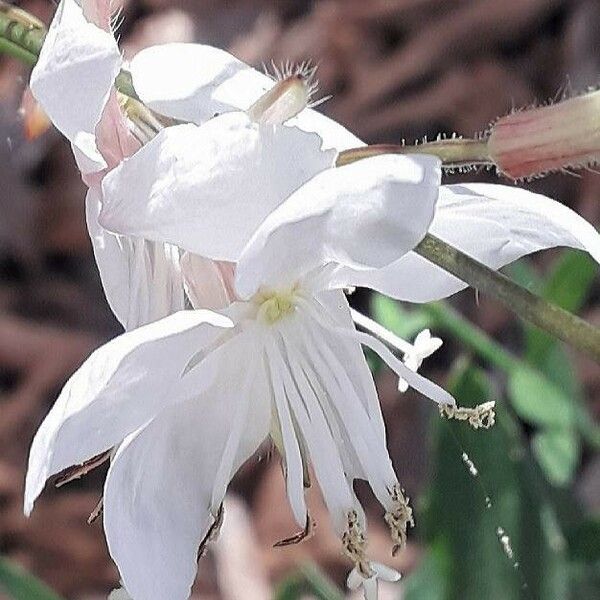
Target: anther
480, 416
354, 542
399, 518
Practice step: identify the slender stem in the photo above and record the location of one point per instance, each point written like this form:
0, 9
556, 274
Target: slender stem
529, 307
454, 153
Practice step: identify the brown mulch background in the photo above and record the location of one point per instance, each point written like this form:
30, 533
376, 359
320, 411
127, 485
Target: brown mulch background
397, 69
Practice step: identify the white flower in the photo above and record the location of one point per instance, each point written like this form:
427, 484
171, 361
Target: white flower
194, 394
357, 580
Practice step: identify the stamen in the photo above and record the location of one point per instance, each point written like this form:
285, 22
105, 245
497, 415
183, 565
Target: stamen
291, 94
482, 415
354, 542
399, 518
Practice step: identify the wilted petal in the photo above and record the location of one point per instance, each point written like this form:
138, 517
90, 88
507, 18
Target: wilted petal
141, 279
74, 75
120, 387
361, 216
194, 82
494, 224
206, 189
159, 487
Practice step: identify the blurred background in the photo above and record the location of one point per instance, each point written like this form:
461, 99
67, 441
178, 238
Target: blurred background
526, 525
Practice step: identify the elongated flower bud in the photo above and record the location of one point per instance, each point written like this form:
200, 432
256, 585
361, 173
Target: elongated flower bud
550, 138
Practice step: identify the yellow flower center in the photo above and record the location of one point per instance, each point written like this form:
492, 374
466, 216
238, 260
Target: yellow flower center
273, 306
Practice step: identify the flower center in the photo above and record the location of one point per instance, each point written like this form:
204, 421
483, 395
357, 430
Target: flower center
274, 305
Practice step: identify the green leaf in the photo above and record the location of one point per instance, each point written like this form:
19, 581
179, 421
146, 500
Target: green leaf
309, 581
537, 400
584, 540
458, 518
567, 286
432, 579
557, 452
20, 585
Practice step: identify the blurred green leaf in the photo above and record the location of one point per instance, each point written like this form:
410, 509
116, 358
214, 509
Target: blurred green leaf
557, 451
584, 540
404, 323
20, 585
567, 286
308, 580
537, 400
431, 581
458, 516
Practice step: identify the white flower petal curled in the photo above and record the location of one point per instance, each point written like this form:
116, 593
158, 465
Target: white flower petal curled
190, 182
362, 216
494, 224
83, 59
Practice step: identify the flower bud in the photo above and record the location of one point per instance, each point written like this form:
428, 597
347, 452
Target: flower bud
549, 138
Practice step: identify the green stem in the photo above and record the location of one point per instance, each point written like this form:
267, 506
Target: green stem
454, 153
21, 34
529, 307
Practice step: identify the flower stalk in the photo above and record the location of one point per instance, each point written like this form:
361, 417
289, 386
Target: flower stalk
529, 307
22, 36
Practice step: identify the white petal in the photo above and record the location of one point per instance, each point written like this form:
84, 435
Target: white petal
324, 455
194, 82
294, 472
361, 216
351, 354
209, 283
160, 485
141, 279
495, 224
206, 189
120, 387
79, 57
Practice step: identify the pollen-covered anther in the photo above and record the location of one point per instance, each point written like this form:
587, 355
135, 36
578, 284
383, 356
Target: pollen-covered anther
354, 543
480, 416
291, 94
399, 518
